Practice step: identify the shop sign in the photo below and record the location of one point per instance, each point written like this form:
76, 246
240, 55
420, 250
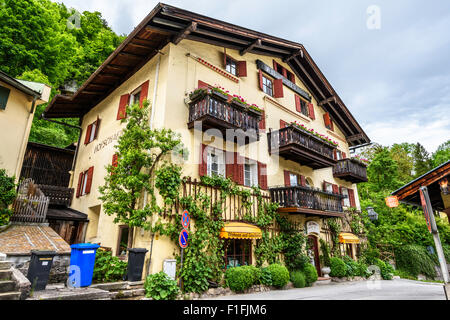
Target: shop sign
312, 227
392, 202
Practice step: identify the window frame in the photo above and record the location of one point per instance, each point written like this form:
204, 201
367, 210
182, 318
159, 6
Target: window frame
221, 165
345, 201
265, 78
295, 177
228, 62
136, 92
245, 256
328, 184
253, 172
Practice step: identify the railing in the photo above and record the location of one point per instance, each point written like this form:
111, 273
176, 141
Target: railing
30, 205
304, 197
292, 135
350, 167
57, 195
232, 115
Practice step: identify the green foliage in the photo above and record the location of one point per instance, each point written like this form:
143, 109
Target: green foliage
298, 279
442, 154
422, 160
7, 196
325, 257
265, 277
168, 181
239, 279
335, 229
351, 266
415, 260
279, 274
268, 249
108, 268
160, 287
310, 273
338, 267
294, 250
386, 270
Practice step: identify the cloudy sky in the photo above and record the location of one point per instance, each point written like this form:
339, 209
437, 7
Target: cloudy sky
389, 63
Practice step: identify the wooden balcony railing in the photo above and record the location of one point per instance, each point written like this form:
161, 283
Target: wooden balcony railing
350, 170
300, 146
57, 195
304, 199
215, 112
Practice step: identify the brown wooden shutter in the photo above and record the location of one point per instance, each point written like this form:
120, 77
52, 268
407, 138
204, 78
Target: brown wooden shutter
332, 125
262, 175
242, 68
260, 80
203, 165
224, 58
311, 113
344, 155
278, 88
292, 77
115, 160
88, 134
287, 178
144, 93
239, 169
80, 182
97, 126
90, 173
298, 104
335, 154
262, 122
335, 189
230, 165
275, 64
122, 112
327, 120
283, 124
351, 195
324, 186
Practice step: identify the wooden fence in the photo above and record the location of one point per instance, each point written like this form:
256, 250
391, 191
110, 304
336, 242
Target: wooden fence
30, 205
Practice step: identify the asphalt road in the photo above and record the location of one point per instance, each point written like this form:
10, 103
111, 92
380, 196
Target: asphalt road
362, 290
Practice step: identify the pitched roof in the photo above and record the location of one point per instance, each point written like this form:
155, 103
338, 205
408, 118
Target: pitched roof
167, 24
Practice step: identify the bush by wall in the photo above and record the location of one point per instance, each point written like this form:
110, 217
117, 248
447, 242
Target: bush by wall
280, 275
239, 279
298, 279
351, 266
160, 287
108, 268
415, 260
265, 277
7, 196
338, 267
386, 270
310, 273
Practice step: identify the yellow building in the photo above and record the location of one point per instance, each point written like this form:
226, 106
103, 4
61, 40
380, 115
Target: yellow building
170, 54
18, 101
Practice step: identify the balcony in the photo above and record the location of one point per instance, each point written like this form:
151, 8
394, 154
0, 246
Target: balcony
300, 199
57, 195
350, 170
300, 146
236, 122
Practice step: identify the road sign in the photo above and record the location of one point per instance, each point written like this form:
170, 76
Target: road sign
185, 219
392, 202
183, 239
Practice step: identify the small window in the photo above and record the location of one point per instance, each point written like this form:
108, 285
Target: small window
122, 244
339, 155
84, 183
293, 178
238, 253
93, 131
328, 187
135, 97
267, 85
346, 200
304, 107
250, 173
216, 163
231, 66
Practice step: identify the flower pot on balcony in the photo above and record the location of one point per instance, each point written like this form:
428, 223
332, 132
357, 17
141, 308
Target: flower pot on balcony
197, 95
255, 113
219, 95
239, 105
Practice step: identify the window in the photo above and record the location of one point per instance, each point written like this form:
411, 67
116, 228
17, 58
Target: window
85, 182
135, 97
92, 131
328, 187
339, 155
283, 71
216, 163
346, 201
122, 241
250, 173
293, 179
231, 66
238, 253
267, 85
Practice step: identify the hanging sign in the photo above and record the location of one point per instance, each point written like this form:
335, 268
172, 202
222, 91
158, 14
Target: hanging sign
185, 219
392, 202
183, 238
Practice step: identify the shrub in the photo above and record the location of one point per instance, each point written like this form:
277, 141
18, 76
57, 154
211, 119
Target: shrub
415, 260
325, 257
7, 195
338, 267
298, 279
362, 270
386, 270
108, 268
265, 277
280, 275
351, 267
239, 279
310, 273
369, 255
160, 287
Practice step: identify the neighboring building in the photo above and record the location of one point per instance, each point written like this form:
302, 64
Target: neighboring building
18, 102
173, 52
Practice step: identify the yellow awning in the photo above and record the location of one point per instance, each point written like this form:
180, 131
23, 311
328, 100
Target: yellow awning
240, 230
348, 238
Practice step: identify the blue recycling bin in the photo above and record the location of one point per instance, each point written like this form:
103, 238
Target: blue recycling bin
82, 260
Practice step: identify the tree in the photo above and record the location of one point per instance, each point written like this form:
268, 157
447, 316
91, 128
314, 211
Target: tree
139, 150
402, 155
422, 161
441, 155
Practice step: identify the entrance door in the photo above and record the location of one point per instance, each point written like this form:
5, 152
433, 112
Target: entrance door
313, 253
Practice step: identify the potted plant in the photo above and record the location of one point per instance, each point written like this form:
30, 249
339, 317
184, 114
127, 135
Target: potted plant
220, 93
197, 94
239, 103
254, 110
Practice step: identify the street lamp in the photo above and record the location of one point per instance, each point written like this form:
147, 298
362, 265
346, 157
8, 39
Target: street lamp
372, 214
443, 183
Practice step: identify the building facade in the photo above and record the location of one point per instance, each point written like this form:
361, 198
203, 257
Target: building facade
169, 56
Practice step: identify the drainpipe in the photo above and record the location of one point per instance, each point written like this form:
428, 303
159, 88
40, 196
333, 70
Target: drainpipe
78, 144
